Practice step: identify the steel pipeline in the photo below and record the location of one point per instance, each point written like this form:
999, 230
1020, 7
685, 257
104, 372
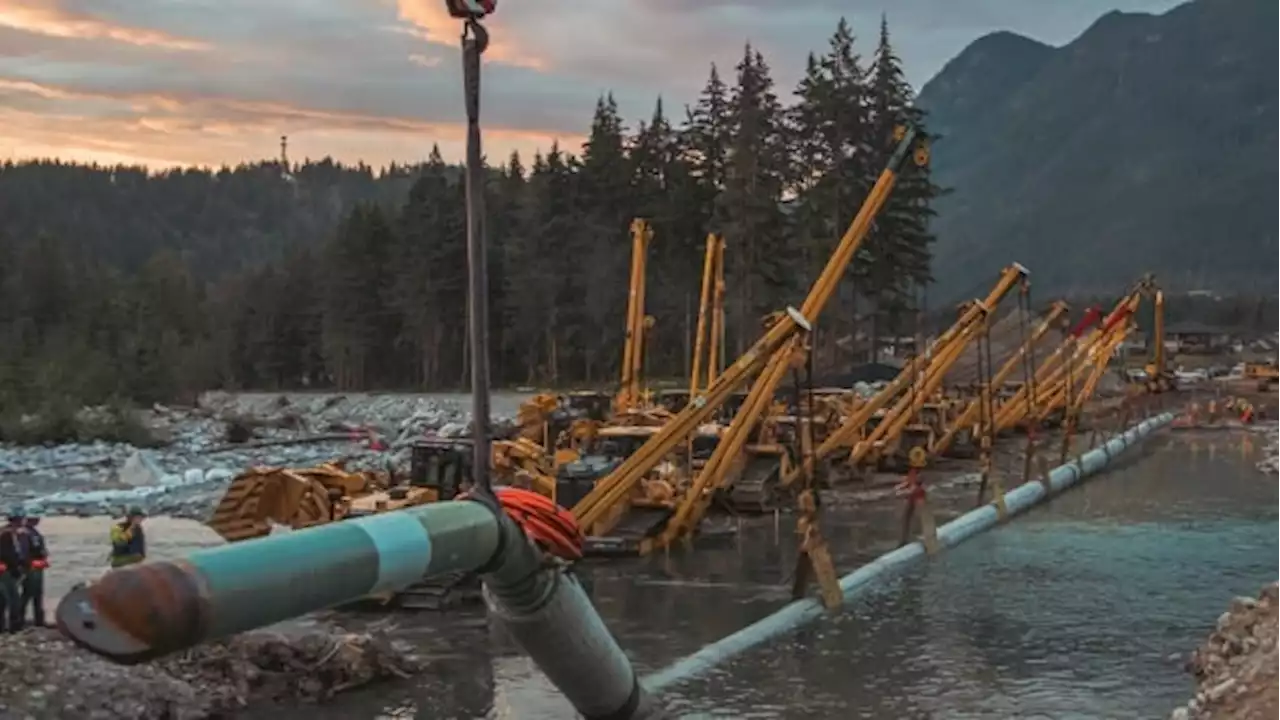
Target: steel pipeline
953, 533
143, 612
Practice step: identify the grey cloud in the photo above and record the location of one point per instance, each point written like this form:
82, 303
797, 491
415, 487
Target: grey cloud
343, 55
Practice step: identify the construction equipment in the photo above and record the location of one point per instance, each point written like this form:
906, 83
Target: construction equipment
599, 511
1052, 394
885, 441
263, 497
1266, 374
1158, 377
638, 323
966, 426
710, 328
725, 463
873, 425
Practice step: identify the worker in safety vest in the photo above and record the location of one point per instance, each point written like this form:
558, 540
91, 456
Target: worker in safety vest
13, 565
37, 563
128, 542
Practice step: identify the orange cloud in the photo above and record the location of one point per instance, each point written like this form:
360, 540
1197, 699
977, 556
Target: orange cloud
44, 17
436, 25
165, 130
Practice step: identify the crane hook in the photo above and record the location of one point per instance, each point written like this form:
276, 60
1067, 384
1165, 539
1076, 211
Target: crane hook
475, 32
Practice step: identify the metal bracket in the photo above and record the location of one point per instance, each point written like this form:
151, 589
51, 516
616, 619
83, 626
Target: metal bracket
928, 526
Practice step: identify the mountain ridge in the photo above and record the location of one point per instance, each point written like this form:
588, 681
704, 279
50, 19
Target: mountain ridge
1143, 144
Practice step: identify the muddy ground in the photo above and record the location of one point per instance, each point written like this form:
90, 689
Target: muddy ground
44, 676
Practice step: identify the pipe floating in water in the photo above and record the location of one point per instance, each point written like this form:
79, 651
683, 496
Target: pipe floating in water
146, 611
797, 613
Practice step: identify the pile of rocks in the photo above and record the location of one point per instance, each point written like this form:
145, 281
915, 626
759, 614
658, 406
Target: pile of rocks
1236, 667
1270, 462
187, 474
43, 675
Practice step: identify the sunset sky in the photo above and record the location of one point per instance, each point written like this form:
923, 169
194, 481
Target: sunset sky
207, 82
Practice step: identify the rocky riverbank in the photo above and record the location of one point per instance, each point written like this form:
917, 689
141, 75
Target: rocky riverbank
42, 675
1270, 462
202, 447
1235, 668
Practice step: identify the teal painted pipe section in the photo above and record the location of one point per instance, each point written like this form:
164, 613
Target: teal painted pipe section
279, 577
797, 613
148, 610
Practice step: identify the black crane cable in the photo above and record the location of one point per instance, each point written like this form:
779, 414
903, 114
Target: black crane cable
475, 39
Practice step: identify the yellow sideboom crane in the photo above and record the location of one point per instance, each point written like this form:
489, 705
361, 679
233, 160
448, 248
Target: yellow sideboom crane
1097, 351
1050, 375
1159, 379
726, 459
970, 416
706, 344
628, 396
1057, 377
600, 509
968, 327
948, 344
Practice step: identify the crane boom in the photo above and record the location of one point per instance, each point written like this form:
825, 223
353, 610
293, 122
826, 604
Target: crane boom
616, 487
719, 468
967, 327
971, 411
633, 346
846, 435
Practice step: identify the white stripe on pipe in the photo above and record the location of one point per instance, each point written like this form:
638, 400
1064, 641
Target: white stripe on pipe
404, 549
797, 613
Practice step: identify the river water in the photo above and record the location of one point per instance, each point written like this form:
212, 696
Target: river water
1084, 607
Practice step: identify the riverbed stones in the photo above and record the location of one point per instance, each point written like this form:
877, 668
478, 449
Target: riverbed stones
42, 675
1236, 667
187, 475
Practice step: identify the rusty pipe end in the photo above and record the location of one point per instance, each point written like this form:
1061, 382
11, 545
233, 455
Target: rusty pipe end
80, 623
137, 614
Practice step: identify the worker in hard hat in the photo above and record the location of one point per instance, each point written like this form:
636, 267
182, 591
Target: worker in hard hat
13, 564
128, 542
37, 563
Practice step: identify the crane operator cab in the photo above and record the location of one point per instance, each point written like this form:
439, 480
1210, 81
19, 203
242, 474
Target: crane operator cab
576, 479
588, 404
441, 465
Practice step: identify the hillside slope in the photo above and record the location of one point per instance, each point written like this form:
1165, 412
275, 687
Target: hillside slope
1145, 144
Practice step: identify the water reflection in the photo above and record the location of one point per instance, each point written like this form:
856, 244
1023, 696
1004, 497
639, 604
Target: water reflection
1072, 611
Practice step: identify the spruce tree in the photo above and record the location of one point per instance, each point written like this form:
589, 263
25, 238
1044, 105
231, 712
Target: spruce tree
759, 262
831, 176
705, 141
899, 250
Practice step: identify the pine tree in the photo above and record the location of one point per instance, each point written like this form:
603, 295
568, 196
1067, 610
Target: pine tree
661, 181
751, 204
899, 251
600, 245
704, 142
430, 272
830, 172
